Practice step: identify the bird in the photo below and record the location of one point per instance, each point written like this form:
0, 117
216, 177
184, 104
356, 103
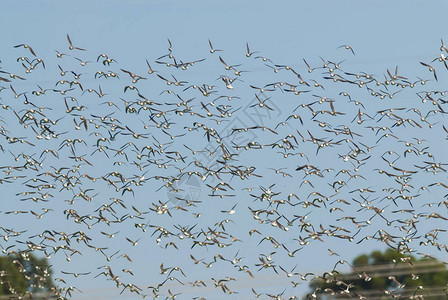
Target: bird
231, 211
76, 274
71, 47
212, 50
431, 69
26, 47
249, 53
133, 243
177, 159
347, 47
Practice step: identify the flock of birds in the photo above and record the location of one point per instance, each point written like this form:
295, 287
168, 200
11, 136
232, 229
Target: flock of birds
240, 172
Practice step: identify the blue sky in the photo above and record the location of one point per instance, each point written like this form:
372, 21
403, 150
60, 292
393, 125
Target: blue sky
383, 34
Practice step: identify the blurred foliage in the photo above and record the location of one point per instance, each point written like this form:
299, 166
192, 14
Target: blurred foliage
390, 271
23, 272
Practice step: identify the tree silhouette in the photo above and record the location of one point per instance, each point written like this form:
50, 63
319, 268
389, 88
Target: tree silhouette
383, 274
24, 272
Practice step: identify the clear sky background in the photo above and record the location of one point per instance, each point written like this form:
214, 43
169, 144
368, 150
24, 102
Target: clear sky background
383, 34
